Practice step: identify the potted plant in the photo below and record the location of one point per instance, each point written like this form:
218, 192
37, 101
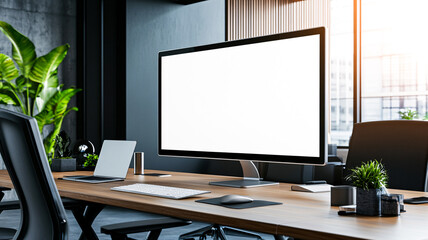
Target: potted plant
62, 160
370, 179
29, 84
90, 162
408, 114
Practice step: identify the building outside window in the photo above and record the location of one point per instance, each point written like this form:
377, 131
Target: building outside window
394, 66
341, 71
394, 62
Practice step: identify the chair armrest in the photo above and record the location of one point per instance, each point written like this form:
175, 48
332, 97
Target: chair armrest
144, 225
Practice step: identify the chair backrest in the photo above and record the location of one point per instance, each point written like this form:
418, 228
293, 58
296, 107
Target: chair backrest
21, 146
401, 145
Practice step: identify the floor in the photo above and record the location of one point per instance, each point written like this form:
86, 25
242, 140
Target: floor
114, 215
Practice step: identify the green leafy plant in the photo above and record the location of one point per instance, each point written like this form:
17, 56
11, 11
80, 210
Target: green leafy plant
370, 175
62, 144
91, 160
32, 84
408, 114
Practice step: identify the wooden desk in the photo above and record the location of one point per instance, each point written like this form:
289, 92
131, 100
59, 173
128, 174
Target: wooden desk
302, 215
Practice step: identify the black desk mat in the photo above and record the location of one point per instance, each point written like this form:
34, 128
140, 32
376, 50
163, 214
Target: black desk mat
255, 203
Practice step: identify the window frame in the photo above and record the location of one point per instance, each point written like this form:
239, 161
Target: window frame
357, 61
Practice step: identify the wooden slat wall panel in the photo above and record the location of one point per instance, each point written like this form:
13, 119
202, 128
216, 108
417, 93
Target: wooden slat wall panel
252, 18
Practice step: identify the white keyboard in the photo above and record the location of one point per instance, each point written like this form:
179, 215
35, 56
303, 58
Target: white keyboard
159, 191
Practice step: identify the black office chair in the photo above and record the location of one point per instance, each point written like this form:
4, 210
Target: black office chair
43, 214
401, 145
84, 213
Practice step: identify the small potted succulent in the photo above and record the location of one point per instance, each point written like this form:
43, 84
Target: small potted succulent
370, 179
62, 160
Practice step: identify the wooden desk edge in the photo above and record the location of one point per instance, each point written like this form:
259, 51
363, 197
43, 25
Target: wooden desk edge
258, 226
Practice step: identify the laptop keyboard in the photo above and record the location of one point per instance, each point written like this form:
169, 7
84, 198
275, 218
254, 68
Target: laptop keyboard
89, 178
96, 178
159, 191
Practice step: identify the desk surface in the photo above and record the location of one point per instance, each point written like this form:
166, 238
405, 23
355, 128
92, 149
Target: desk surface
303, 215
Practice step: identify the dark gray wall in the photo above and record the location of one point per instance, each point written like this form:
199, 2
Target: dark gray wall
154, 26
48, 24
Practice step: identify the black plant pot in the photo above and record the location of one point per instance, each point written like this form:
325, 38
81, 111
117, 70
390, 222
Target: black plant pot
368, 201
63, 165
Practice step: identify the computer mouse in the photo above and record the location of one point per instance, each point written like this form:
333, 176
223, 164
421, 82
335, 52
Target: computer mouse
235, 199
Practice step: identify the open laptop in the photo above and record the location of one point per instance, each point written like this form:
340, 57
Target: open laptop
112, 165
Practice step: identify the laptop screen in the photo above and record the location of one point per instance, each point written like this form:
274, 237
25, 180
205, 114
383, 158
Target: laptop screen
115, 158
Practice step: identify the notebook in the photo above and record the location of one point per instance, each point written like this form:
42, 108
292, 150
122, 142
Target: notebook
112, 165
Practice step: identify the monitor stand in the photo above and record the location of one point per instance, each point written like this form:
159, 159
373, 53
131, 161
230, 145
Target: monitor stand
251, 178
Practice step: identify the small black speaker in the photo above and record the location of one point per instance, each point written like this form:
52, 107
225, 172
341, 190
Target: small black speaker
343, 195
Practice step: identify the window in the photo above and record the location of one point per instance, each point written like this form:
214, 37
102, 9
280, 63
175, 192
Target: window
394, 52
341, 71
394, 62
394, 58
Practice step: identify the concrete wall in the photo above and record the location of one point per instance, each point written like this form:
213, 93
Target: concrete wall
48, 24
154, 26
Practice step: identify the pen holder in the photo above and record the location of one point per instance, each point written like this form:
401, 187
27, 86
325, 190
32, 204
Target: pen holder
138, 163
400, 198
390, 205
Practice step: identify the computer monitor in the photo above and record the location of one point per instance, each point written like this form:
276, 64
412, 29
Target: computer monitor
259, 99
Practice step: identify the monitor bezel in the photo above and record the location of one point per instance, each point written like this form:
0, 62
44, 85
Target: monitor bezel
321, 160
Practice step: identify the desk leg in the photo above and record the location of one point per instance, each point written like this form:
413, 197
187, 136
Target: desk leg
85, 216
154, 235
220, 235
239, 233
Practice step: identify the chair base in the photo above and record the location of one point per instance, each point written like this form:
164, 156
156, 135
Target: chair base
218, 232
119, 231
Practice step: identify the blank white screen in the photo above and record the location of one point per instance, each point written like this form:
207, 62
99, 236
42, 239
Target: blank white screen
260, 98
